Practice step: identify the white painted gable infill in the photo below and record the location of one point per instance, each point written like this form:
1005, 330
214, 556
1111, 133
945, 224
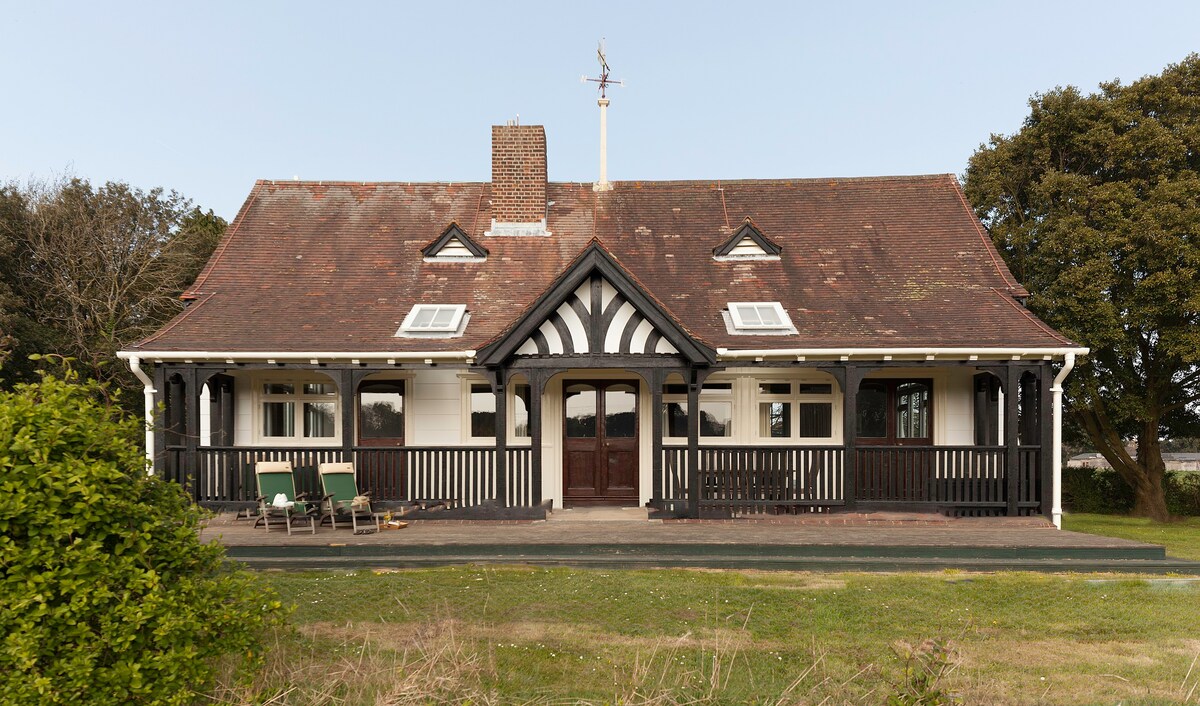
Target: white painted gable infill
616, 327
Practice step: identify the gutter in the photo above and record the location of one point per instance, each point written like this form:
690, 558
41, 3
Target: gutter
135, 365
877, 353
309, 356
1056, 464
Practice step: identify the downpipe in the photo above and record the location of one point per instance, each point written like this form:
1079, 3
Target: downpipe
148, 391
1056, 465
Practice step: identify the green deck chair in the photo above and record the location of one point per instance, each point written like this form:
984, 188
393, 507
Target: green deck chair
275, 478
342, 500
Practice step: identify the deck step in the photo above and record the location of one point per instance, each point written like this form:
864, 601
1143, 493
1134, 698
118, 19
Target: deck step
1149, 560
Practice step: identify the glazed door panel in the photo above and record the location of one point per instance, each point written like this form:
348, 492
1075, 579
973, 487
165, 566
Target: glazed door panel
600, 450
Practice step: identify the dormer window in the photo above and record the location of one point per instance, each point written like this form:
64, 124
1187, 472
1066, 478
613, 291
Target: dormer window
454, 245
747, 243
758, 318
443, 320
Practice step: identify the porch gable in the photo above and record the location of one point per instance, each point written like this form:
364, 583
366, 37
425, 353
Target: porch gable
595, 308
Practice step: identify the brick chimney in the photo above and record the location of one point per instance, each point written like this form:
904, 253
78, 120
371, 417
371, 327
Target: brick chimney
518, 180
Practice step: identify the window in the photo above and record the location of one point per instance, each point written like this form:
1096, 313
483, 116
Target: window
433, 318
759, 317
895, 412
789, 410
716, 410
298, 410
482, 401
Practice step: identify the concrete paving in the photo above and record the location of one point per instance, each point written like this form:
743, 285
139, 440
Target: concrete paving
615, 527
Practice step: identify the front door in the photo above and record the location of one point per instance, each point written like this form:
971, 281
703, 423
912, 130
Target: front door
381, 425
600, 449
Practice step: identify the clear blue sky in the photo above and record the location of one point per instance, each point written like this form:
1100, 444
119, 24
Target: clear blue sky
206, 97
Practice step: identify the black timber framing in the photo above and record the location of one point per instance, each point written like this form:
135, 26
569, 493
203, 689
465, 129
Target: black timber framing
451, 233
594, 259
749, 230
179, 385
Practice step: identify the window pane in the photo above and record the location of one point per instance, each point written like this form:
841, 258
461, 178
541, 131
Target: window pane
816, 420
483, 411
711, 387
620, 406
912, 410
318, 419
521, 410
319, 388
775, 388
381, 410
443, 317
813, 388
279, 419
424, 317
675, 419
872, 410
581, 411
674, 389
749, 315
279, 388
775, 420
716, 419
769, 316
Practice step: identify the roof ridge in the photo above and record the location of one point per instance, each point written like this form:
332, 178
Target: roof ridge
714, 181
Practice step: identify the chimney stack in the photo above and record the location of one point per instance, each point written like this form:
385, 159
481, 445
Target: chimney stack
518, 180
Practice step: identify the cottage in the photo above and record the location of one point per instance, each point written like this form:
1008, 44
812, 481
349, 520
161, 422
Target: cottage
698, 347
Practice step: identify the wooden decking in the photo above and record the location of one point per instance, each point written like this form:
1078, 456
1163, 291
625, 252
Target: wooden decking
624, 538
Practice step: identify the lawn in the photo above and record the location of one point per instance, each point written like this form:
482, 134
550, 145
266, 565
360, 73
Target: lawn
1181, 537
533, 635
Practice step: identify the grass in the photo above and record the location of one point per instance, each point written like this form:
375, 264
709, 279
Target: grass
549, 636
1180, 537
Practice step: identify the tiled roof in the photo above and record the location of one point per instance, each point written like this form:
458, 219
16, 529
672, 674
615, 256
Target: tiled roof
865, 262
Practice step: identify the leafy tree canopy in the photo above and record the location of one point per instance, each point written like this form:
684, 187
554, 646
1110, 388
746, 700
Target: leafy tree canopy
109, 595
1095, 206
87, 270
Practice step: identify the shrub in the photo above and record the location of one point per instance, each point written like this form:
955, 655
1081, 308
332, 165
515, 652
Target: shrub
1101, 490
109, 597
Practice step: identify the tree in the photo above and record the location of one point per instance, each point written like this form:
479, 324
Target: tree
95, 269
1095, 206
109, 595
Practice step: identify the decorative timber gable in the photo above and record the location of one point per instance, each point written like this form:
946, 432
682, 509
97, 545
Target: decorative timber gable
595, 309
747, 243
454, 245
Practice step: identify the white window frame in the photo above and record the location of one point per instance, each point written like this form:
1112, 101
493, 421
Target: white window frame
509, 413
453, 326
298, 398
726, 396
740, 324
796, 398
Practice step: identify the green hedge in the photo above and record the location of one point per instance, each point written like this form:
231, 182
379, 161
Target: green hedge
1101, 490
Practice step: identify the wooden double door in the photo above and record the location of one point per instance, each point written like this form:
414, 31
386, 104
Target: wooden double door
600, 442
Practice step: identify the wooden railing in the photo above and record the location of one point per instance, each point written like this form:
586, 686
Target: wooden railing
218, 474
965, 477
749, 479
752, 479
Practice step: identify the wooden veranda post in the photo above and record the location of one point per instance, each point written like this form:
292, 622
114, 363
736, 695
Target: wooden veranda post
853, 376
1012, 456
500, 388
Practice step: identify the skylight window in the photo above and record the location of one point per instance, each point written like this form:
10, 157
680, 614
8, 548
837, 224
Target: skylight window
759, 316
434, 318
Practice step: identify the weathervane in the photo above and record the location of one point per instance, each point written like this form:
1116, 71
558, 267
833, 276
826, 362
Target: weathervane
604, 82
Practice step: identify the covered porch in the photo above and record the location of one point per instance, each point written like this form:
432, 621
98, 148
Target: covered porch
735, 440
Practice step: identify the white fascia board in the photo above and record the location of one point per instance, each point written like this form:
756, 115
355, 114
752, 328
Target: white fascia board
323, 356
877, 353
